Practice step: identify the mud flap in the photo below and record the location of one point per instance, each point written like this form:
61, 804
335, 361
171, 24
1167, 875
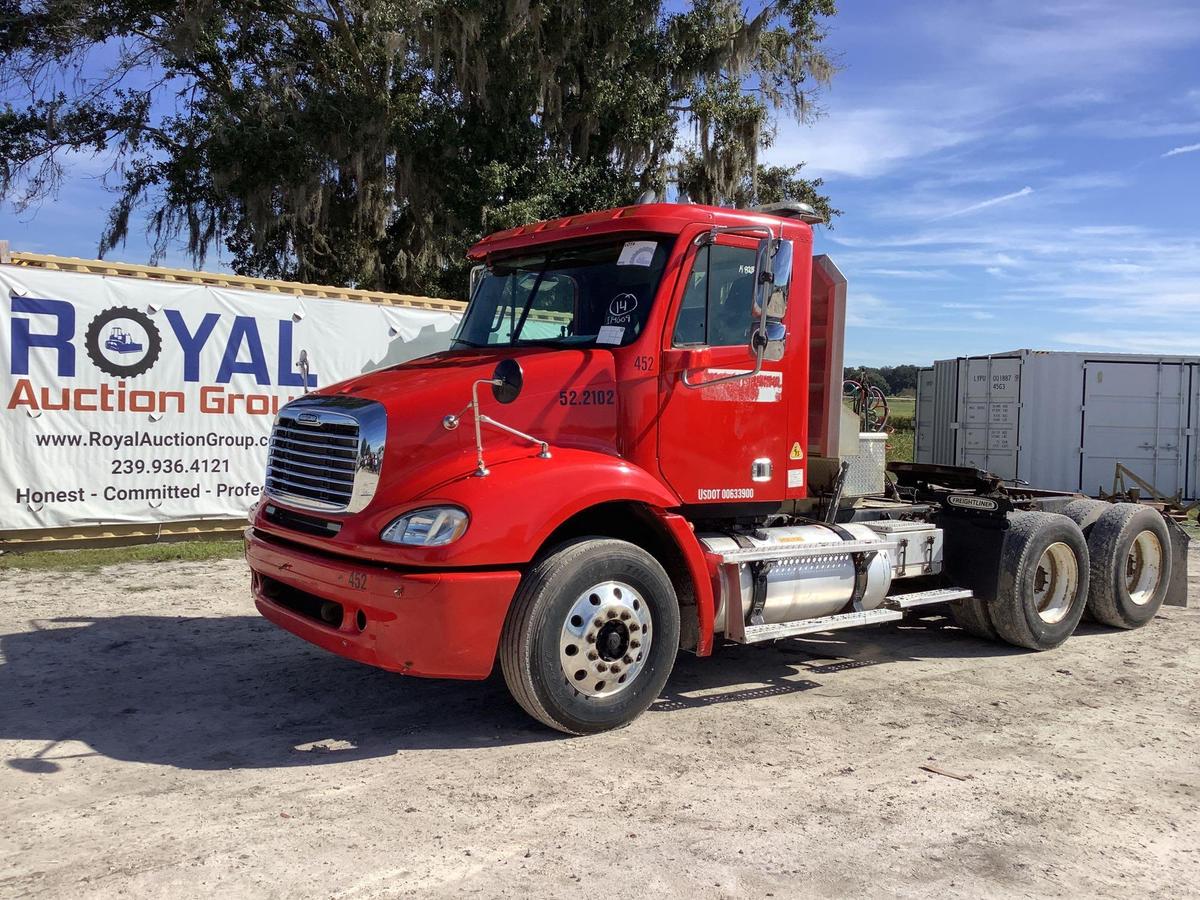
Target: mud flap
1177, 591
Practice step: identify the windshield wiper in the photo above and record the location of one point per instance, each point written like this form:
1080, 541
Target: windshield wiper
537, 283
542, 342
467, 343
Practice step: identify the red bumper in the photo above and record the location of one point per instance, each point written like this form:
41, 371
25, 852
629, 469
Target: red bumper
436, 624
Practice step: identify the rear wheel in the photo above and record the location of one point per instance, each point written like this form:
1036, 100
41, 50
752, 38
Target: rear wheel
971, 615
1043, 583
591, 637
1084, 513
1130, 565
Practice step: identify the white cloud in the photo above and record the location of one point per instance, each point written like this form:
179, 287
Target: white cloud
984, 204
1109, 230
917, 274
864, 142
1190, 148
1076, 38
1165, 342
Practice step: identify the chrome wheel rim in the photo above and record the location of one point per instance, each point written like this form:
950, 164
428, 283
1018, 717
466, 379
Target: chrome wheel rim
605, 639
1143, 568
1055, 582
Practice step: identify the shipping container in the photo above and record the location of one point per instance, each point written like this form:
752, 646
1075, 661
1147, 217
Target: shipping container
1063, 421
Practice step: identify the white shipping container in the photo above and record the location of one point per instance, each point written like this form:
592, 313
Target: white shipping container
1063, 421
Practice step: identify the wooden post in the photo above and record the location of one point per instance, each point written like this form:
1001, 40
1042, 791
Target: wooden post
4, 255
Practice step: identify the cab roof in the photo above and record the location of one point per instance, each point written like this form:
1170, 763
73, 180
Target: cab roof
658, 218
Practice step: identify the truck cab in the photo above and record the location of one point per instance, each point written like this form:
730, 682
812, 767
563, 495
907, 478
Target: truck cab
634, 445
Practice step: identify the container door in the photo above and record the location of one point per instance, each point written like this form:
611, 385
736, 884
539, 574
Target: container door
990, 395
1192, 433
923, 417
1134, 413
945, 412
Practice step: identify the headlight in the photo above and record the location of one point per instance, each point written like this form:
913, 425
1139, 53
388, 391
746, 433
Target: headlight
433, 526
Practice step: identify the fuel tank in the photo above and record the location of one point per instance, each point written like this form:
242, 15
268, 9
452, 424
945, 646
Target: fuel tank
805, 587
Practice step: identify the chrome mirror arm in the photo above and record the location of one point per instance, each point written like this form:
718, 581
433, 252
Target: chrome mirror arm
453, 420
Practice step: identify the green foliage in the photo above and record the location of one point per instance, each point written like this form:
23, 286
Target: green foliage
97, 557
892, 380
900, 447
371, 142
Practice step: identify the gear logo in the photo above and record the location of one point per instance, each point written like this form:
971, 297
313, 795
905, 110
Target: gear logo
123, 342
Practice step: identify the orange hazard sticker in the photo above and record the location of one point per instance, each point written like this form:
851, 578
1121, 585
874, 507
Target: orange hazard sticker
796, 453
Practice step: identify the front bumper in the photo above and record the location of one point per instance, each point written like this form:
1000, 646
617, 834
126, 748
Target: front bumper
434, 624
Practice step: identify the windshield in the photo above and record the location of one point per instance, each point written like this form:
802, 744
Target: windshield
572, 295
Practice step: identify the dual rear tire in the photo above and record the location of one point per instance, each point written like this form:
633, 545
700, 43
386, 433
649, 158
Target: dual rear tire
1130, 550
1042, 587
1111, 561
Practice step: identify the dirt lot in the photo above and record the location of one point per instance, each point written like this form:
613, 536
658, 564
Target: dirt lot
160, 739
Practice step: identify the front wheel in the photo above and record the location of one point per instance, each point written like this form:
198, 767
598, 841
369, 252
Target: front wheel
591, 637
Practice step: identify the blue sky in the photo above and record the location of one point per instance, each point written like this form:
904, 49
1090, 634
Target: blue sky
1012, 174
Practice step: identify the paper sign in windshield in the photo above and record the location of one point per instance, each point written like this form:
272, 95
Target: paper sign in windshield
637, 253
610, 334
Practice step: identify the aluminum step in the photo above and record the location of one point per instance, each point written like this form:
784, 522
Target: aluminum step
755, 634
924, 598
801, 551
891, 611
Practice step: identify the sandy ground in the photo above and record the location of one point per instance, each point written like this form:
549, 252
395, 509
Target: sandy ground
159, 739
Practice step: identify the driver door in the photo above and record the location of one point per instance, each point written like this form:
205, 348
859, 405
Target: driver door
724, 443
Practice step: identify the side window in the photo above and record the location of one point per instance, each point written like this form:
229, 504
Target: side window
717, 299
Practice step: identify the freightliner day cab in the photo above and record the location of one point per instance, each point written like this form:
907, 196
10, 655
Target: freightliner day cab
635, 446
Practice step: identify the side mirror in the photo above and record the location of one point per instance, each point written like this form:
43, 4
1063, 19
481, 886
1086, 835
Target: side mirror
772, 280
771, 339
773, 276
507, 381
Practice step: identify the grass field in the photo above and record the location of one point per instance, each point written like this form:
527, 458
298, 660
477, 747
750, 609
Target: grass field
902, 406
94, 558
900, 445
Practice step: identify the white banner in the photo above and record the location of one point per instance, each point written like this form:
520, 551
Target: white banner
132, 401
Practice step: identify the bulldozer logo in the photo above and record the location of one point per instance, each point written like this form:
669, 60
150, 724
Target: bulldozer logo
123, 342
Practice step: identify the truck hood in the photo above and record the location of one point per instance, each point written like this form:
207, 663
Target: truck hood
569, 399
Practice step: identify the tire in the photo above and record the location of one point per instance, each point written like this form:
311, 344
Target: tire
1043, 583
1084, 513
971, 616
630, 596
1130, 551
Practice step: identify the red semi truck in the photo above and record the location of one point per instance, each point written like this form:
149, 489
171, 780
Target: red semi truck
634, 446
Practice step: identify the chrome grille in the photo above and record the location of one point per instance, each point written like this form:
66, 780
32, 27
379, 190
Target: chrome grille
326, 453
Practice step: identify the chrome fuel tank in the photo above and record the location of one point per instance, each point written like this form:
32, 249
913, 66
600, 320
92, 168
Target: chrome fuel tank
807, 586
